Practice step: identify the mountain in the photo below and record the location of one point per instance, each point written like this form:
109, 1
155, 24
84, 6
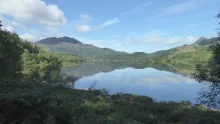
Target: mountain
206, 41
183, 59
72, 46
200, 45
177, 50
61, 40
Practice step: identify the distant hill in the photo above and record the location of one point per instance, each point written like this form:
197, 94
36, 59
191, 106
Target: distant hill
72, 46
186, 56
201, 44
181, 59
206, 41
56, 41
177, 50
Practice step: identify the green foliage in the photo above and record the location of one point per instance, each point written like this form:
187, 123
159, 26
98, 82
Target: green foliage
83, 50
10, 55
70, 60
35, 106
41, 66
0, 24
63, 105
210, 71
25, 62
190, 59
181, 60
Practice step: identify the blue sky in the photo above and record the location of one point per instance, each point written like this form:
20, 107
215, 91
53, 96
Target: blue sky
125, 25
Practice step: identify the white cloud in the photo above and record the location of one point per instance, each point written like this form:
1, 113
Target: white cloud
85, 17
179, 39
48, 32
101, 43
109, 22
117, 19
159, 38
51, 29
174, 40
163, 80
184, 6
29, 37
135, 9
8, 28
150, 38
83, 28
191, 39
11, 25
151, 43
33, 11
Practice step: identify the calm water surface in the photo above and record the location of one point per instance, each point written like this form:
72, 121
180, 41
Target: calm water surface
157, 84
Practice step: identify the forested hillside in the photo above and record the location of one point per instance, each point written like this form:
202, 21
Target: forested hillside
184, 59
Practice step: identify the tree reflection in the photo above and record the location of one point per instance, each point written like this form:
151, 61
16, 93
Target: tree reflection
210, 96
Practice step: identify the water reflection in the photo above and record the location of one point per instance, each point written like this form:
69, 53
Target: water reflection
210, 95
90, 69
160, 85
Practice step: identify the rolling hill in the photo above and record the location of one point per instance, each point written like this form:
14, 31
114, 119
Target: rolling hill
200, 46
61, 40
66, 45
184, 59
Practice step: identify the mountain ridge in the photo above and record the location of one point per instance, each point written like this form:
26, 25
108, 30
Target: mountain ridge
60, 40
67, 40
206, 41
77, 48
92, 52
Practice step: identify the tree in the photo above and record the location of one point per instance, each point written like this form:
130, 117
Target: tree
22, 61
218, 16
42, 66
211, 70
1, 24
10, 55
